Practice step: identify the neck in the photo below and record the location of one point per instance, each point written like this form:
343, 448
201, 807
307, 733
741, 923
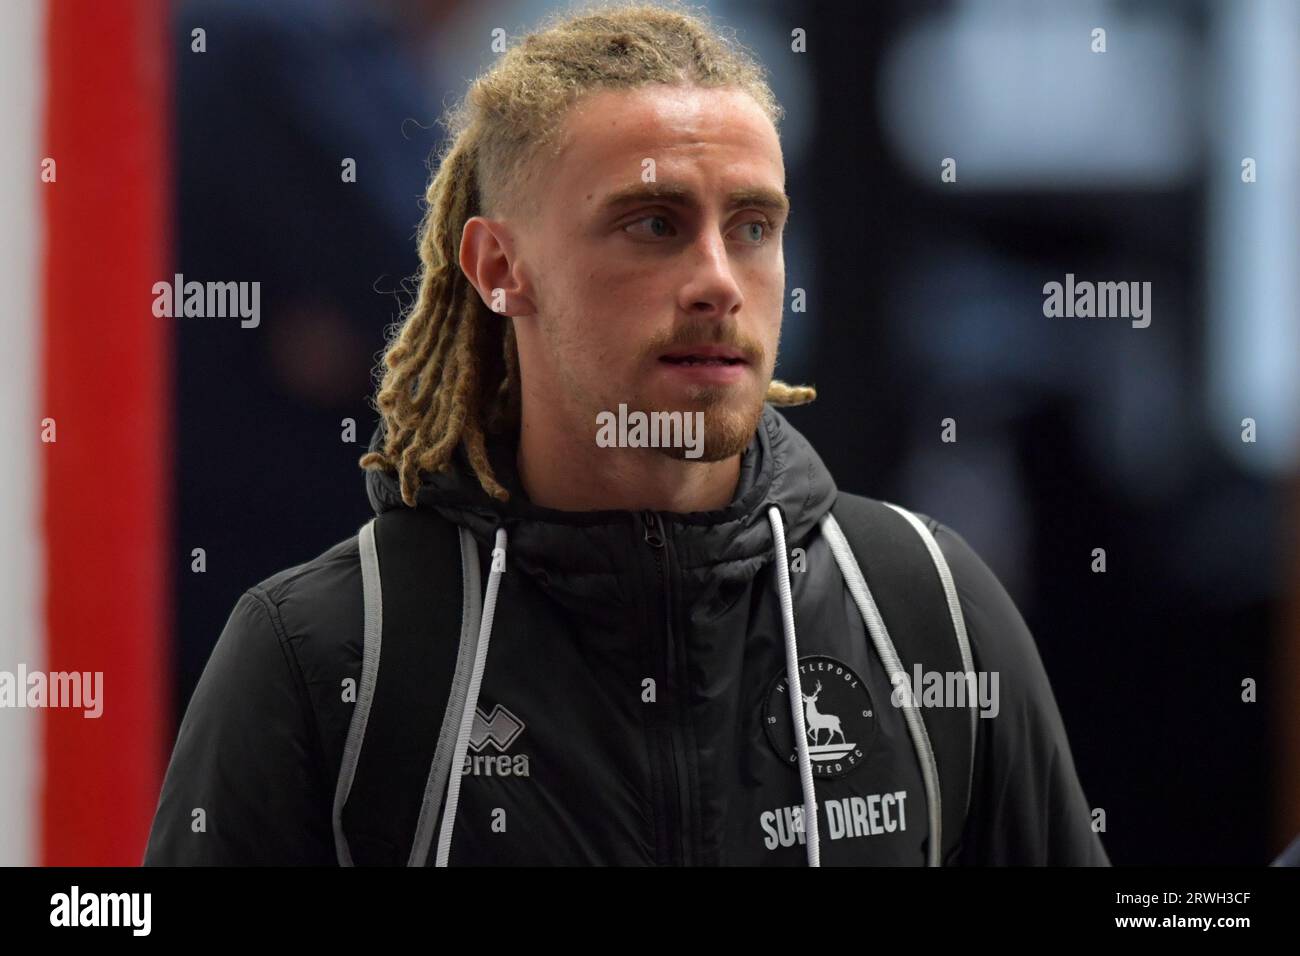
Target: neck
562, 467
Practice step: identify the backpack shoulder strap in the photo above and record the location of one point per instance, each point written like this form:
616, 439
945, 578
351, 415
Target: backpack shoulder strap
912, 586
397, 759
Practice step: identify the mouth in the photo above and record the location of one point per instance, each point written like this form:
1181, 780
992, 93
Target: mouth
709, 366
705, 355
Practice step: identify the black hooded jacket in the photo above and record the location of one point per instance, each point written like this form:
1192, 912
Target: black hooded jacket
603, 736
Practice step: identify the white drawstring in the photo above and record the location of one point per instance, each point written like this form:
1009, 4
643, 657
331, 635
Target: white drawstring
471, 699
796, 690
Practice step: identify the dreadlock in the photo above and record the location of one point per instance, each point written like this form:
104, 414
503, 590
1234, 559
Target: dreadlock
450, 371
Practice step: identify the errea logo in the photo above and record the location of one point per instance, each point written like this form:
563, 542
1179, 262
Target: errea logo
495, 732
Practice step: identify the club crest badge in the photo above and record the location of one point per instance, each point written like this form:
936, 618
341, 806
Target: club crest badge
838, 716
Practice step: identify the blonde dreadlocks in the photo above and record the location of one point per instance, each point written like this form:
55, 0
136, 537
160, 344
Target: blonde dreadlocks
451, 370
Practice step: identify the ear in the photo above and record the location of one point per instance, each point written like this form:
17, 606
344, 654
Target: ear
488, 257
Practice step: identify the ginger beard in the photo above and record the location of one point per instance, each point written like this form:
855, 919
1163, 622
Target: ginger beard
732, 410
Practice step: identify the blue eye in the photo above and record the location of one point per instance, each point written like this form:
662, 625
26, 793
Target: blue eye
763, 225
658, 234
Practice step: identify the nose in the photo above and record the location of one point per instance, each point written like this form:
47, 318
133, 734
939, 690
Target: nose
712, 290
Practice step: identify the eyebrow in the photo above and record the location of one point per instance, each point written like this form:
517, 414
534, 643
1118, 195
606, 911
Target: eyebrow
772, 201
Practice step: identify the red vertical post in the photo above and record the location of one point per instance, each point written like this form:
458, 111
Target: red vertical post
106, 382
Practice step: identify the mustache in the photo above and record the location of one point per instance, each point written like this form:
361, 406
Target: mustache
693, 334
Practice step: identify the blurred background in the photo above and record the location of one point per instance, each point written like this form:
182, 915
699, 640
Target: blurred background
924, 302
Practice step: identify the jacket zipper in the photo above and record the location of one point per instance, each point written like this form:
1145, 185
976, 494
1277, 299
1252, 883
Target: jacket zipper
656, 540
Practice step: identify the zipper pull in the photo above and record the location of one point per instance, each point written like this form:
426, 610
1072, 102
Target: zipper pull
654, 530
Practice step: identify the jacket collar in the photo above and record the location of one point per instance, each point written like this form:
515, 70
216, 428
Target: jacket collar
587, 554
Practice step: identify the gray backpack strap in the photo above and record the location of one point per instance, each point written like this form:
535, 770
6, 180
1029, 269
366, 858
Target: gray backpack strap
958, 621
904, 589
372, 634
435, 789
396, 760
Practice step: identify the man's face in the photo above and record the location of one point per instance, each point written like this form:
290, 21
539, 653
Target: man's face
665, 295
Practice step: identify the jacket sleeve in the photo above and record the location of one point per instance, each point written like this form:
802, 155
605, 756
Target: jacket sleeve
1027, 806
245, 785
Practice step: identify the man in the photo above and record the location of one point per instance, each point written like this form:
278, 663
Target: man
691, 648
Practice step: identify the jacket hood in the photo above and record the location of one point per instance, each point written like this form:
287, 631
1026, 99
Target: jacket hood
585, 552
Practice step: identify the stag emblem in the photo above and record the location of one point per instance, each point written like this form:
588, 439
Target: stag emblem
816, 721
836, 743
